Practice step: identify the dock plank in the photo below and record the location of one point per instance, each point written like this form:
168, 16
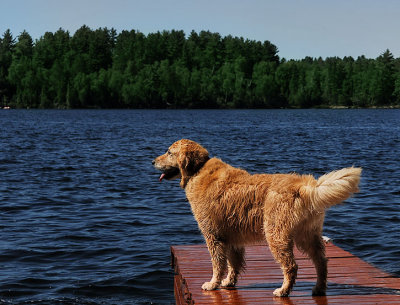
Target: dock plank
350, 279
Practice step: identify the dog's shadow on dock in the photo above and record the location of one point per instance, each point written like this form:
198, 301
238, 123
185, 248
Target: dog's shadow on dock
239, 295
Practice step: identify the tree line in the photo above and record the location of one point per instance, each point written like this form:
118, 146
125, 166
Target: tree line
105, 69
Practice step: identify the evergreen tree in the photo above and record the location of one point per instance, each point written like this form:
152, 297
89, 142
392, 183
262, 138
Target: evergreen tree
385, 79
7, 44
265, 87
21, 74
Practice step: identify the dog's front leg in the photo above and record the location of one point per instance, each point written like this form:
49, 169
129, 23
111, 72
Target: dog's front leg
218, 260
235, 259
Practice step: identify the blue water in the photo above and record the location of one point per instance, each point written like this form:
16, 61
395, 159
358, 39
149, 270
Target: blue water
84, 220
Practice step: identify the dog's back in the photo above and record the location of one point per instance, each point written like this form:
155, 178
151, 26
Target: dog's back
236, 204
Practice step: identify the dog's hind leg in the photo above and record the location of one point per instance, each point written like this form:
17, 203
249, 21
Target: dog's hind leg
282, 249
236, 262
315, 248
217, 251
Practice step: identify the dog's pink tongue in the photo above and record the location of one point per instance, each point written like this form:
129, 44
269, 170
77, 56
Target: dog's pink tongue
161, 177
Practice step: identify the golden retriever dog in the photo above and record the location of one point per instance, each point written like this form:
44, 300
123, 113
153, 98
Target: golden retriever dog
234, 208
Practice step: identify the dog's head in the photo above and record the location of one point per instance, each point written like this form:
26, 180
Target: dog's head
183, 159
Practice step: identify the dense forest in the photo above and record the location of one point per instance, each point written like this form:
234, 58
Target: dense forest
105, 69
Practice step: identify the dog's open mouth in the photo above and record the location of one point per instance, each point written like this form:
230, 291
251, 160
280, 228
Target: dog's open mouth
169, 173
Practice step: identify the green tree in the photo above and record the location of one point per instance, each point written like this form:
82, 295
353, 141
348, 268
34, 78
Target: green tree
175, 41
129, 47
7, 44
362, 73
334, 75
209, 53
384, 81
346, 97
21, 74
290, 80
396, 91
227, 76
101, 43
266, 89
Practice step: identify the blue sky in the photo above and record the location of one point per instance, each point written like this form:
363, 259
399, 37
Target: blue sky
298, 28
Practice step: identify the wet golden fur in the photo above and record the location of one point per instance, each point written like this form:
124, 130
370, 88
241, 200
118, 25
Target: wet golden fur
234, 208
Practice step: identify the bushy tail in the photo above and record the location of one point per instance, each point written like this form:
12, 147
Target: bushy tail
334, 187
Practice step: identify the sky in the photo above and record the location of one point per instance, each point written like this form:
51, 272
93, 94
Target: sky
299, 28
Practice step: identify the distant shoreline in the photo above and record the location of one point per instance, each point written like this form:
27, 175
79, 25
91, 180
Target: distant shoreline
351, 107
286, 108
105, 69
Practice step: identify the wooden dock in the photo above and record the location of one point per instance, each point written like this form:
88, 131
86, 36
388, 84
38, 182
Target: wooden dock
350, 280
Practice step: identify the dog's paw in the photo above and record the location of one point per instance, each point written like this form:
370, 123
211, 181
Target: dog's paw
210, 286
228, 283
279, 292
317, 291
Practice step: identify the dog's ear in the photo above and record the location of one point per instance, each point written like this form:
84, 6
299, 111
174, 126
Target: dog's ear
191, 158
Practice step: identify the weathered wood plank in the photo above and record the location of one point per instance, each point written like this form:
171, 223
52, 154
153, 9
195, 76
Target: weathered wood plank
350, 279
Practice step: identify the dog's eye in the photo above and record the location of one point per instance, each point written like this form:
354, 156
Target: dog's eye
169, 152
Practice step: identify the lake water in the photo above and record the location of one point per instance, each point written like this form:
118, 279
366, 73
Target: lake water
84, 219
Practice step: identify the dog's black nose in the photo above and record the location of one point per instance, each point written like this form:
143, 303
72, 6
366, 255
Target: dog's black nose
153, 162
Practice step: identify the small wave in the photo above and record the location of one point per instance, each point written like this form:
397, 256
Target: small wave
55, 301
75, 237
13, 208
10, 161
57, 168
140, 223
64, 179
